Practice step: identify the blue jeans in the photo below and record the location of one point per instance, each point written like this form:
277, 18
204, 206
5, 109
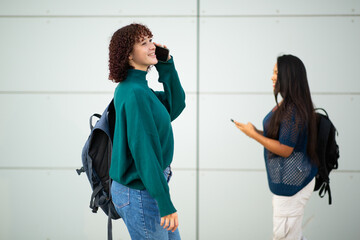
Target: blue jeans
140, 212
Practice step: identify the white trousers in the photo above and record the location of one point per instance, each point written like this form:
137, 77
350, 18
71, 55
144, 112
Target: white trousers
288, 213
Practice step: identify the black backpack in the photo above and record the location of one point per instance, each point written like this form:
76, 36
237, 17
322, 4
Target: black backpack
96, 160
327, 151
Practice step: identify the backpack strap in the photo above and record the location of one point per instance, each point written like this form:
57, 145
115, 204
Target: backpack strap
94, 205
323, 134
110, 181
94, 201
325, 187
109, 226
90, 120
109, 215
321, 109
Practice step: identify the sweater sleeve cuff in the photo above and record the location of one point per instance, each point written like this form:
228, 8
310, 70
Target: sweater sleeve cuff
165, 205
162, 66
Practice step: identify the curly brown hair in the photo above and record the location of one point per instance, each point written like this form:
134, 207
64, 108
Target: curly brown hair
121, 45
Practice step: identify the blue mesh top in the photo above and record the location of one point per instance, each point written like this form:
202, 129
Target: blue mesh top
288, 175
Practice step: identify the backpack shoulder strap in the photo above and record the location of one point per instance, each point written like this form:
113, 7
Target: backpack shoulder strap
324, 125
90, 120
322, 138
325, 187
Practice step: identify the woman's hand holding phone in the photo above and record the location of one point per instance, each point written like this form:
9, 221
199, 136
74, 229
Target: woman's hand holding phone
162, 52
249, 129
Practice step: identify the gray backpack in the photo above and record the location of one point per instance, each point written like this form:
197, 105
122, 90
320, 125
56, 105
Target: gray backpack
96, 160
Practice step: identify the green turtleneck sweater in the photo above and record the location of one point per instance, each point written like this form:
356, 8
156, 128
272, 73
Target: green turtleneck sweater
143, 142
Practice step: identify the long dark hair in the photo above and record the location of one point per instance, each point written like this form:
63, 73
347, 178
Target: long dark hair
292, 84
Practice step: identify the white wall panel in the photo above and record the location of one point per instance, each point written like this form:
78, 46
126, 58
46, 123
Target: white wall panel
183, 195
50, 130
57, 54
238, 54
184, 128
71, 54
54, 204
344, 112
234, 205
93, 7
263, 7
45, 204
241, 202
339, 220
222, 145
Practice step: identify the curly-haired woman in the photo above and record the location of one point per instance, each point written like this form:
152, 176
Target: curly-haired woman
143, 142
289, 140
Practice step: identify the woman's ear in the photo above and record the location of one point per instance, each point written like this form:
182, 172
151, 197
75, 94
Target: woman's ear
131, 61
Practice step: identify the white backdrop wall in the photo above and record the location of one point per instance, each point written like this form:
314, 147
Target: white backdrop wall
53, 76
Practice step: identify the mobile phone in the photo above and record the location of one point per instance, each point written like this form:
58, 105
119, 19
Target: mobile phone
161, 53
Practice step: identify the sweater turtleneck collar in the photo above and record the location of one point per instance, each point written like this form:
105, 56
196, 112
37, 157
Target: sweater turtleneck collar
137, 75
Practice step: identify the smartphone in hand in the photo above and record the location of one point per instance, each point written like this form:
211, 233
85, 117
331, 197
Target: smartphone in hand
161, 53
